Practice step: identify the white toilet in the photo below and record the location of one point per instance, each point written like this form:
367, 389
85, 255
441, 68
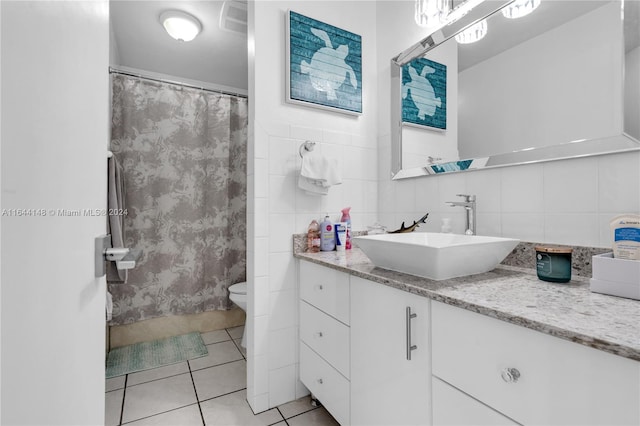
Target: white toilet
238, 295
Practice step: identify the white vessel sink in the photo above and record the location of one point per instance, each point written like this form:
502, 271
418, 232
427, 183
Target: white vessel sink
434, 255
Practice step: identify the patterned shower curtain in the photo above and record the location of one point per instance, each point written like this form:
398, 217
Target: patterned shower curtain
184, 157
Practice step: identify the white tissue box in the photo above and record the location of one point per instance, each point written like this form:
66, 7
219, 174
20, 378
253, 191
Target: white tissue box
616, 277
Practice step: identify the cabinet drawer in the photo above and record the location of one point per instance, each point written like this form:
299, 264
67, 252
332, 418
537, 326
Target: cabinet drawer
325, 383
327, 336
559, 382
452, 407
326, 289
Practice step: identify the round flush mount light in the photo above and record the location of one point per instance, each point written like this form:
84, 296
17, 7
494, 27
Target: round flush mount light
180, 25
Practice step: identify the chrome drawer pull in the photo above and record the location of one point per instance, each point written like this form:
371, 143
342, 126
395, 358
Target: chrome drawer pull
319, 287
319, 334
320, 381
410, 347
510, 375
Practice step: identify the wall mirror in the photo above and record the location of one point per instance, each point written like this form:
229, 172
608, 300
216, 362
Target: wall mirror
561, 82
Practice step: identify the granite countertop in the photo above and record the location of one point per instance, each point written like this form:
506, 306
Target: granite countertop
569, 311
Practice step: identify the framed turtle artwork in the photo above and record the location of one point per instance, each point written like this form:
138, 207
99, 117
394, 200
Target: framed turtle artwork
424, 94
323, 65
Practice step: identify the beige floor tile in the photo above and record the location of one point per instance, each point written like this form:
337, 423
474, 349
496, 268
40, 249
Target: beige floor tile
186, 416
236, 332
233, 410
296, 407
219, 353
216, 336
115, 383
221, 379
157, 397
319, 417
113, 407
157, 373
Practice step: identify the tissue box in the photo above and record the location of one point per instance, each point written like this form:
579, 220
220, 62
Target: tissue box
616, 277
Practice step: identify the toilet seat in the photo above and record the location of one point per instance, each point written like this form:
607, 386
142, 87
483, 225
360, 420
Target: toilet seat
239, 288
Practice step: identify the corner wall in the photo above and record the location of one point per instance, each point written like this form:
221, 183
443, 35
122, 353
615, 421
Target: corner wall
276, 207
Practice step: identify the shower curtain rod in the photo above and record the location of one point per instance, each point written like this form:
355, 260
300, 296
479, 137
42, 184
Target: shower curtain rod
177, 83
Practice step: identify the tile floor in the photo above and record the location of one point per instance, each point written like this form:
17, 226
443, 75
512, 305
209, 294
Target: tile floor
205, 391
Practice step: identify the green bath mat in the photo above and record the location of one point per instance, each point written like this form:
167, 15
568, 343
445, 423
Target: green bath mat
148, 355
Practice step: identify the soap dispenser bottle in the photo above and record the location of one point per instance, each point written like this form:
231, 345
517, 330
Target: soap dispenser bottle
327, 235
347, 219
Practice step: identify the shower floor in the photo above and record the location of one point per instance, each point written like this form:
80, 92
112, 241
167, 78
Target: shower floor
205, 391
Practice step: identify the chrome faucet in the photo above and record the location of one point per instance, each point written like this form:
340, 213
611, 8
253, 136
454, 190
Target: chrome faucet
469, 205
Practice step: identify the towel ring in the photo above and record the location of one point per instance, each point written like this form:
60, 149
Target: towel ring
307, 146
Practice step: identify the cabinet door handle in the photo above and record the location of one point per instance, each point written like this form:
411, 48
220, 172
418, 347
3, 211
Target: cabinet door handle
319, 334
320, 381
410, 347
319, 287
510, 375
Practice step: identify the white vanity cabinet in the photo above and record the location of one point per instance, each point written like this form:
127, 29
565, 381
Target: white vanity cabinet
324, 337
390, 356
530, 377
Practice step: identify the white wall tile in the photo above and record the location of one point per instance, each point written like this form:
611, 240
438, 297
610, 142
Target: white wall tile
276, 128
259, 403
571, 186
282, 347
522, 189
261, 142
282, 226
354, 195
486, 186
261, 377
261, 217
426, 195
303, 133
337, 138
572, 229
604, 228
282, 271
282, 156
524, 226
405, 196
301, 389
488, 224
261, 296
282, 385
619, 183
261, 256
449, 186
260, 335
282, 309
282, 194
260, 178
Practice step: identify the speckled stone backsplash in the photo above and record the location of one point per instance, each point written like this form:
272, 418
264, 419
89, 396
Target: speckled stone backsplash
523, 256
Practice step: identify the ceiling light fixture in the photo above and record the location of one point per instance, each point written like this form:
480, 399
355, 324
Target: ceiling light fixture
180, 25
432, 12
473, 33
520, 8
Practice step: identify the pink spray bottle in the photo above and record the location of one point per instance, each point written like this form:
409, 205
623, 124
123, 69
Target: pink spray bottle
346, 218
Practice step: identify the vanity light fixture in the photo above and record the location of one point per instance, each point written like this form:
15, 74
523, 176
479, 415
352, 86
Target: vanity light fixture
520, 8
472, 34
180, 25
432, 12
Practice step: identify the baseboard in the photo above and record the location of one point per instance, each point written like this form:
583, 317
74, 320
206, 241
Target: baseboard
159, 328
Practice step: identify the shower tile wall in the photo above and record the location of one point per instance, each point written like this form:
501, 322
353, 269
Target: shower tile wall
277, 208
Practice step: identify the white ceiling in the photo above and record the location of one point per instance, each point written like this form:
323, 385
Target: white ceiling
216, 56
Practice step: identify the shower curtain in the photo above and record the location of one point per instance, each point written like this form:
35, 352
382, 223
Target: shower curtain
184, 157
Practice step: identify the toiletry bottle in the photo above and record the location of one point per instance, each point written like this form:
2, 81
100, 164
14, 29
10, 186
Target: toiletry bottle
347, 219
327, 235
313, 237
341, 236
626, 236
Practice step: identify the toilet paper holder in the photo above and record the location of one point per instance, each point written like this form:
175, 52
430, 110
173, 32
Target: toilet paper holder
125, 258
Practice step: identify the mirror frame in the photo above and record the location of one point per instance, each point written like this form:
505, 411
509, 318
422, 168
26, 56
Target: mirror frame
464, 16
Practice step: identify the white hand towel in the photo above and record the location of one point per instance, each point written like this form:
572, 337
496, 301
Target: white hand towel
318, 173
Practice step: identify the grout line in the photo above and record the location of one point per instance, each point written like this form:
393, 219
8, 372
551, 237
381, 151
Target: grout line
217, 365
196, 392
282, 415
160, 378
225, 394
124, 395
160, 413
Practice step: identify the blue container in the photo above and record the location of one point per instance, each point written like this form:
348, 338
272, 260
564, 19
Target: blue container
553, 263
